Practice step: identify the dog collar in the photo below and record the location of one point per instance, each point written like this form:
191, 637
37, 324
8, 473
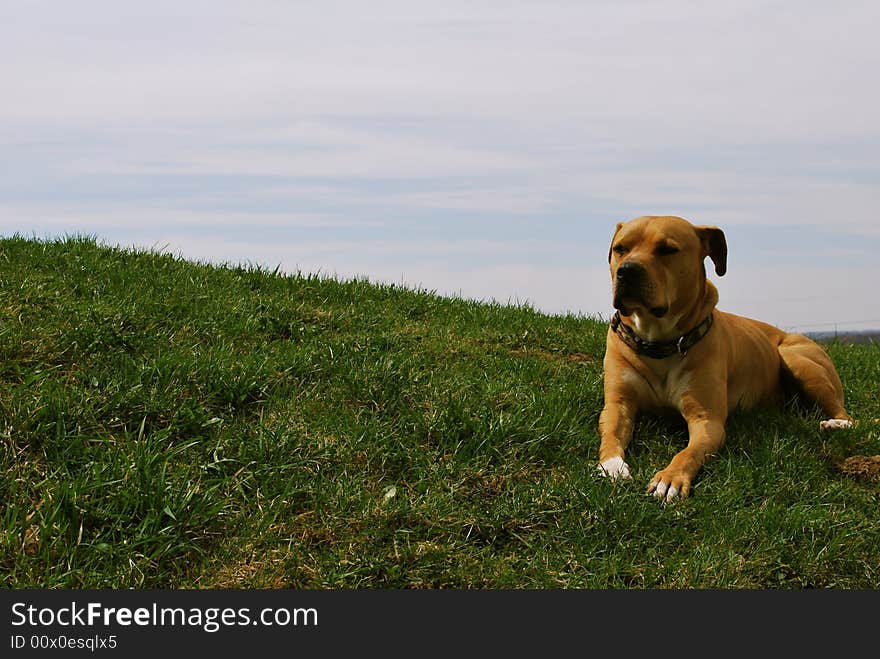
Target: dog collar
660, 349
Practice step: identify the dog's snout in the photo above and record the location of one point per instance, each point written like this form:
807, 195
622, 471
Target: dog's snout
630, 285
630, 271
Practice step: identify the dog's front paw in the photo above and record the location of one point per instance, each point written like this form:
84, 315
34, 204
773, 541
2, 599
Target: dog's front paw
835, 424
615, 468
669, 484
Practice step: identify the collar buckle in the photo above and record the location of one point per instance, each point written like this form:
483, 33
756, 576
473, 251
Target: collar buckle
682, 348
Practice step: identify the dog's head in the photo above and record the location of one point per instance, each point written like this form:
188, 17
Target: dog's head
657, 265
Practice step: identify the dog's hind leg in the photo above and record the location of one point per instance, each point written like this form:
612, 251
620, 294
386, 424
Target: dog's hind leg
813, 371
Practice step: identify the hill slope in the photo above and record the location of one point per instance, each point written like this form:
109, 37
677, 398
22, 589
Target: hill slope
171, 424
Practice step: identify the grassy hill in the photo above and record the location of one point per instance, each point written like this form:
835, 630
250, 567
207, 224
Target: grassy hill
171, 424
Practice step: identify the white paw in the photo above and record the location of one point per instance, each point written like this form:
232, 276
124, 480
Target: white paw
615, 468
835, 424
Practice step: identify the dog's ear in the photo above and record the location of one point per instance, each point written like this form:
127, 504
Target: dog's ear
619, 224
715, 247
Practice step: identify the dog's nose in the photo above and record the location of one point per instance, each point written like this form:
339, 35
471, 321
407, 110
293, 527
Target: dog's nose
629, 271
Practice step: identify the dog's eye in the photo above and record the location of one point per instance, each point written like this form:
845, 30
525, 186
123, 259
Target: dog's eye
665, 249
620, 249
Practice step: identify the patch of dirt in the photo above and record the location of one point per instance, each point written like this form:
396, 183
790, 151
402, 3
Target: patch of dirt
578, 357
862, 466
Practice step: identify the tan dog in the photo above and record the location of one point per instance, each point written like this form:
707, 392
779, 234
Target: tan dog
669, 347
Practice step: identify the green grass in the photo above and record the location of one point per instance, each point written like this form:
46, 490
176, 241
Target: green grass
171, 424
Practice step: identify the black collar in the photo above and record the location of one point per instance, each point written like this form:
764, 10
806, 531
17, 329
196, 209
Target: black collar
660, 349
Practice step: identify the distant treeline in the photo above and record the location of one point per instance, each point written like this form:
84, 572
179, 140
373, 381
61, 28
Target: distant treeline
869, 336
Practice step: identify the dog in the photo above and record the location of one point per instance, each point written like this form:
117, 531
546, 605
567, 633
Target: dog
668, 347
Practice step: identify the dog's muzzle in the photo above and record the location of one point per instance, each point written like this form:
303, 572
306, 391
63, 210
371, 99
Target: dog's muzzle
632, 287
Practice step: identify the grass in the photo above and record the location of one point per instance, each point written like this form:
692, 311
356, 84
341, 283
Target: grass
167, 424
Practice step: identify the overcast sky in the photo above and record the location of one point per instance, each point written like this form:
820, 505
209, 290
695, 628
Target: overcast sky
485, 149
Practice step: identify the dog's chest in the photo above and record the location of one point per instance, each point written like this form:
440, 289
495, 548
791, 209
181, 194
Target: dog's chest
660, 386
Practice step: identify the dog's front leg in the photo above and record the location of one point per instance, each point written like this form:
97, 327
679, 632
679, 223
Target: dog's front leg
705, 419
616, 426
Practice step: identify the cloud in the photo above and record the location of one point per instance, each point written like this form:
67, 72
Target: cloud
823, 296
54, 219
652, 71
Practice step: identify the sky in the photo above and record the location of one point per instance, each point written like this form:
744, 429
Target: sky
482, 149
